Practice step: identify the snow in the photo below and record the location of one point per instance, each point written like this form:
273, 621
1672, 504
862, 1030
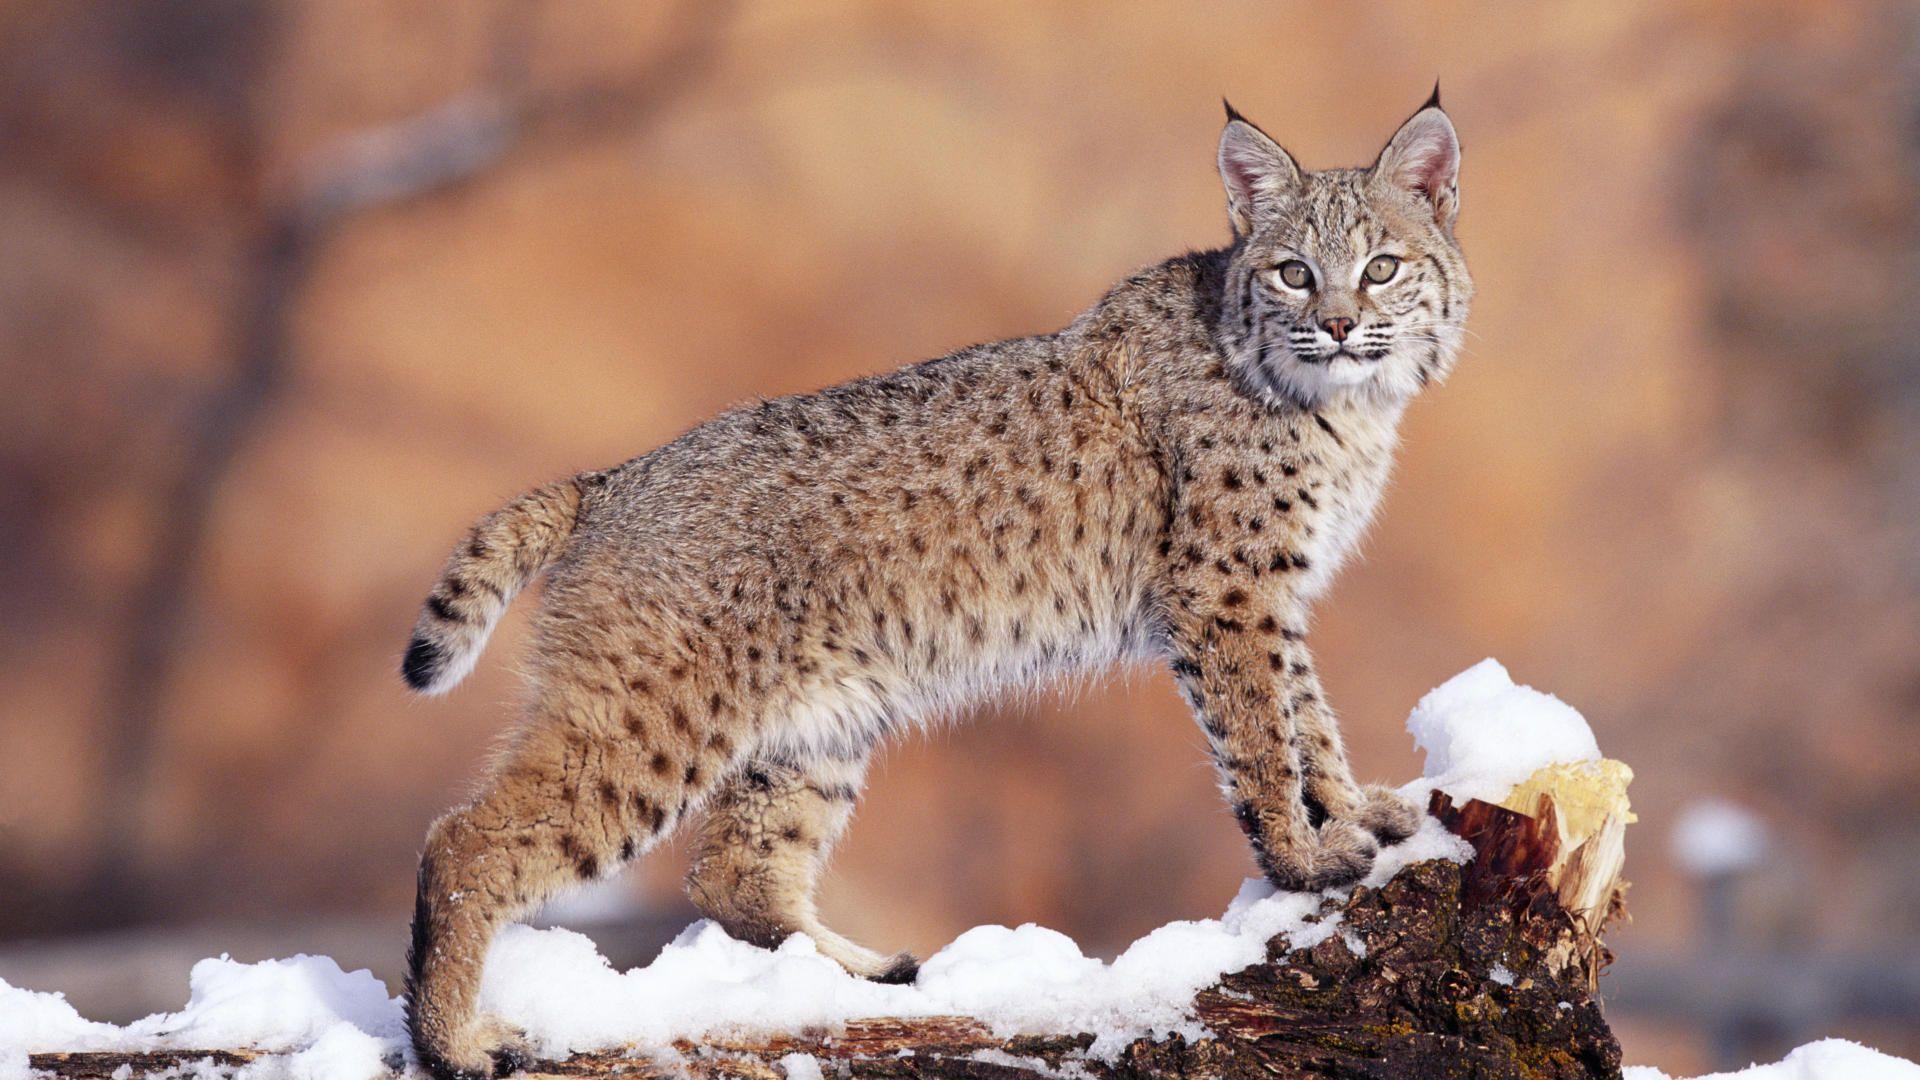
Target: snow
1828, 1059
1019, 979
1481, 734
343, 1052
800, 1067
329, 1022
1714, 838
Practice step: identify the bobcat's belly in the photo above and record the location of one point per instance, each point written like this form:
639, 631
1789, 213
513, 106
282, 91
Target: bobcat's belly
955, 664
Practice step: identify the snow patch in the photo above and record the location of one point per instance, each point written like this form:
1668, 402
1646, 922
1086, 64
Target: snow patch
1828, 1059
273, 1005
1483, 734
800, 1067
342, 1052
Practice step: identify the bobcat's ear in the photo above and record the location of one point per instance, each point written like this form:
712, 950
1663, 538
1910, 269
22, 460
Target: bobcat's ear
1423, 159
1253, 167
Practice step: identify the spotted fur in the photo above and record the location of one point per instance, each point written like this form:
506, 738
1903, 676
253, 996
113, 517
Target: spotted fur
734, 620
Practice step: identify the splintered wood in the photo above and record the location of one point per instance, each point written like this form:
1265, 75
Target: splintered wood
1563, 828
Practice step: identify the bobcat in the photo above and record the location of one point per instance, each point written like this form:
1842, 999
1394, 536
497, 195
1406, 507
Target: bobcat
734, 620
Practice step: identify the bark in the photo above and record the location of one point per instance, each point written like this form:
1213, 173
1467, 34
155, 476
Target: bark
1487, 969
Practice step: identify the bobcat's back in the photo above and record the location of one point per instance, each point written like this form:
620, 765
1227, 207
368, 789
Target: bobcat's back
864, 556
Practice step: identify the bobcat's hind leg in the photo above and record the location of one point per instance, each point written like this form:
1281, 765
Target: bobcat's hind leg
766, 839
568, 803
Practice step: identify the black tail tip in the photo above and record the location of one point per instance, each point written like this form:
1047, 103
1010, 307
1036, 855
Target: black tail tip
902, 971
422, 662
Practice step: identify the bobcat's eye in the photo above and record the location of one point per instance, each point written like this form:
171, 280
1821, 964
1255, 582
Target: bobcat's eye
1295, 274
1382, 268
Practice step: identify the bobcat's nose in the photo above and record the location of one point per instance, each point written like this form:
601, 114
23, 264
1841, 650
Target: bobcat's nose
1338, 329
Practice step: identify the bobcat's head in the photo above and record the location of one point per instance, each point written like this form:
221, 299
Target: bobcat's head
1346, 282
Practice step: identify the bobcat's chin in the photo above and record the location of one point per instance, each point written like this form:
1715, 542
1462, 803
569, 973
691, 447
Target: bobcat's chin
1313, 381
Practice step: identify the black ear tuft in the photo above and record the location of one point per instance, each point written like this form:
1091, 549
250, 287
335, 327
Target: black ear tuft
1233, 113
1433, 102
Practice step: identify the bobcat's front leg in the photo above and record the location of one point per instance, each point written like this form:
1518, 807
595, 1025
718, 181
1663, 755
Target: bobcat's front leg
1327, 781
1233, 657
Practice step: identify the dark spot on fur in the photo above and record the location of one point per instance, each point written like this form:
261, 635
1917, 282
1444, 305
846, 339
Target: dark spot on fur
1328, 428
1249, 820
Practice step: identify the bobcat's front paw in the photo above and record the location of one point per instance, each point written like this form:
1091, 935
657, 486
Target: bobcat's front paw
1388, 815
1339, 853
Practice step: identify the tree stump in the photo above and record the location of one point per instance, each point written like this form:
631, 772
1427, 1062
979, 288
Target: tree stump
1487, 969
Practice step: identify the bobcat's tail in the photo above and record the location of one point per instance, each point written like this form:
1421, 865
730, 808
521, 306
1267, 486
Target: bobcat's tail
506, 549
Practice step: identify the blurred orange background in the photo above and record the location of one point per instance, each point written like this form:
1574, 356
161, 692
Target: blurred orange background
246, 406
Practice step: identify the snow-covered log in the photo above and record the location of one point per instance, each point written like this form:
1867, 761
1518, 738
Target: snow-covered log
1473, 950
1481, 969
